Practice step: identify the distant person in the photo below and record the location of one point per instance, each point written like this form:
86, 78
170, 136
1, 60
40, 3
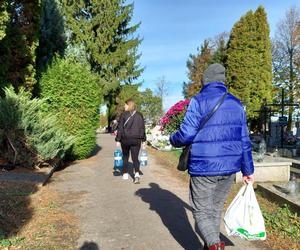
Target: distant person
219, 150
131, 134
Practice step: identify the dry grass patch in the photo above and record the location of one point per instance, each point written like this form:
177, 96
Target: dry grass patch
170, 161
33, 218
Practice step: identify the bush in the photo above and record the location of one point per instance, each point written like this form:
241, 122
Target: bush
172, 120
73, 94
283, 222
35, 135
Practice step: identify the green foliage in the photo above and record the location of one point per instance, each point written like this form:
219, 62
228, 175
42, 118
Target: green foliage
196, 65
126, 92
72, 93
174, 125
249, 66
173, 119
52, 38
102, 31
17, 48
6, 243
146, 102
283, 222
102, 26
35, 135
4, 17
151, 106
219, 54
212, 50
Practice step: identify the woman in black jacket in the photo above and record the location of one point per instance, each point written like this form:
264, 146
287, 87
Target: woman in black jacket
131, 134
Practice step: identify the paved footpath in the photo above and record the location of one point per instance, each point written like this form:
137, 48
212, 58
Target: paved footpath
117, 214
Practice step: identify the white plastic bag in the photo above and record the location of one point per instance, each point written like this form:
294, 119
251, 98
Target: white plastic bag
243, 217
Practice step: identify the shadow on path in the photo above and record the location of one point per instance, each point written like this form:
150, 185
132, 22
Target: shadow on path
171, 210
95, 151
227, 241
89, 246
16, 206
70, 162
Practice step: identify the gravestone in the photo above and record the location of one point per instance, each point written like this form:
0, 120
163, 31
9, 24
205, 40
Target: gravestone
298, 136
271, 169
298, 129
275, 135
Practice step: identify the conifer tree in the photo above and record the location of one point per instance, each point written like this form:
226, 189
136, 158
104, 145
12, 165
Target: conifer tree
73, 95
52, 38
213, 50
196, 65
102, 28
263, 82
18, 47
249, 61
220, 48
35, 135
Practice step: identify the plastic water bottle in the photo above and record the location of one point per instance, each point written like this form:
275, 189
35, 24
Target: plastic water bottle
118, 158
143, 158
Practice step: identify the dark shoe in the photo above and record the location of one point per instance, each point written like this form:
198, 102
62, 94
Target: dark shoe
218, 246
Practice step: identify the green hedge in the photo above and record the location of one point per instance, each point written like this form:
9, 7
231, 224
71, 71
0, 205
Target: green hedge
36, 136
73, 94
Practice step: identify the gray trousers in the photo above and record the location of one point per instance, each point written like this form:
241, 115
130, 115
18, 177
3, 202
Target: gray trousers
207, 197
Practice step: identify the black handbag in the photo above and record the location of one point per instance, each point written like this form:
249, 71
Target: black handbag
184, 156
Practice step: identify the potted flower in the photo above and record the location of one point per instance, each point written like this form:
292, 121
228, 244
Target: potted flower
171, 121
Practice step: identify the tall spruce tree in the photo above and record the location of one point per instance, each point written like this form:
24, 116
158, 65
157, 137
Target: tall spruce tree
219, 47
18, 47
52, 38
213, 50
249, 62
102, 28
264, 88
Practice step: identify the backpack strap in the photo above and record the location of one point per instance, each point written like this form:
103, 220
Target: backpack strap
129, 118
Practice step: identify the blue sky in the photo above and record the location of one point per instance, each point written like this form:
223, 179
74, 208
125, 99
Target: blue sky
173, 29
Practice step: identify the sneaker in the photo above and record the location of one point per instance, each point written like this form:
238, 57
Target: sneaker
136, 178
125, 176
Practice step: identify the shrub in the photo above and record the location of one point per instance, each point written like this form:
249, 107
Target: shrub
73, 94
35, 135
283, 222
171, 121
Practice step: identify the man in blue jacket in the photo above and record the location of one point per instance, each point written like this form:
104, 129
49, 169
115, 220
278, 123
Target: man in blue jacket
219, 150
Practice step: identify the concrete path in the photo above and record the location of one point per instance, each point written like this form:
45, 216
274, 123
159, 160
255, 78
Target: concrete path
117, 214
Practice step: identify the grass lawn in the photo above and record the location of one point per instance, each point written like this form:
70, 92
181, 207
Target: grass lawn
283, 226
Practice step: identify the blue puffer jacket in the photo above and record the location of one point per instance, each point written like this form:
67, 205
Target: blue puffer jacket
222, 146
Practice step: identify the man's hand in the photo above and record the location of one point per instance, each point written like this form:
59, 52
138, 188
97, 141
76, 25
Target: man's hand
248, 179
118, 144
